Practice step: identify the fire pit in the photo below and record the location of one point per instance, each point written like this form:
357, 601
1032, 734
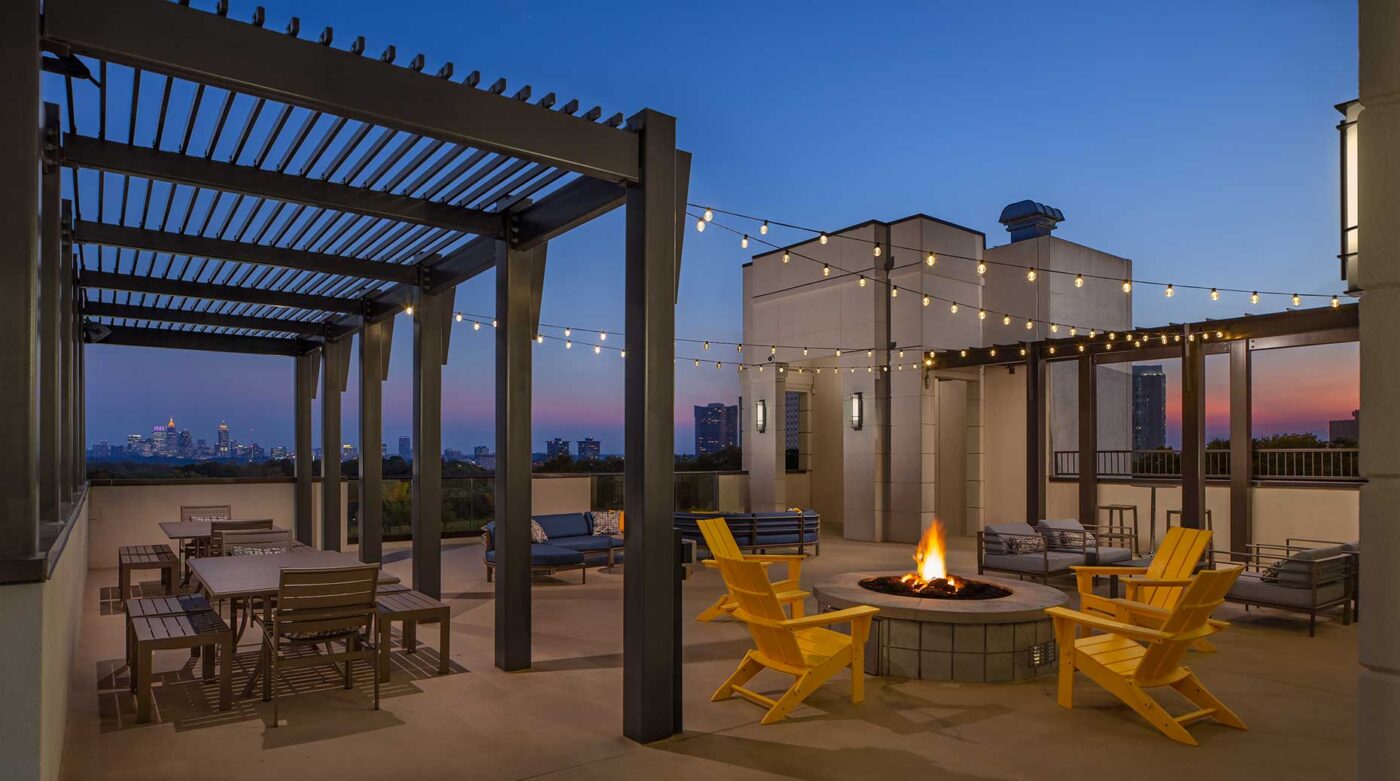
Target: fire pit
942, 627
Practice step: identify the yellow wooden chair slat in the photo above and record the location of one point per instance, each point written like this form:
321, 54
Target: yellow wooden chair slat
1129, 660
721, 544
800, 646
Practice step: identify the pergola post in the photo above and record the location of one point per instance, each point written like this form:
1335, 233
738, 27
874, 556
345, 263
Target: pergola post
1241, 447
375, 339
519, 284
1088, 441
1036, 409
50, 341
651, 669
429, 354
1378, 266
71, 346
335, 363
303, 393
1193, 432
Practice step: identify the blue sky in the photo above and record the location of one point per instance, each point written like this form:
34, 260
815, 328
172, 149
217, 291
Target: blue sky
1198, 141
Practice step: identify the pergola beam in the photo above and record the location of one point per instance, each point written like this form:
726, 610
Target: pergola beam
133, 336
570, 206
107, 280
165, 315
172, 39
88, 152
261, 254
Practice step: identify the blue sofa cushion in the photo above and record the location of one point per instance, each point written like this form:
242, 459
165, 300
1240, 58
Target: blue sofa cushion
593, 542
565, 524
547, 555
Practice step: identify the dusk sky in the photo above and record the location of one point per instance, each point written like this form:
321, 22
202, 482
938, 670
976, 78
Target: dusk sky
1200, 143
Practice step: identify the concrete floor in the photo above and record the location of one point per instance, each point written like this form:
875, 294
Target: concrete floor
562, 719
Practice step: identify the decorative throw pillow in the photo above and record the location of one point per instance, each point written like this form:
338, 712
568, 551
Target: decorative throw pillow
606, 523
537, 532
1070, 540
208, 518
1270, 573
1017, 545
254, 550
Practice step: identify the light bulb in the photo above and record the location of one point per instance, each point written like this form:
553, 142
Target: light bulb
408, 310
804, 350
738, 348
894, 291
981, 314
763, 229
709, 215
1112, 336
1093, 333
1081, 348
773, 350
707, 345
697, 362
785, 256
1335, 302
862, 281
1297, 299
901, 353
926, 300
1214, 294
838, 353
458, 317
568, 344
1219, 334
539, 339
1023, 351
931, 259
826, 270
1054, 329
962, 353
476, 326
1254, 297
1079, 280
622, 353
992, 352
1029, 325
953, 308
1052, 349
699, 226
1169, 292
744, 242
1127, 286
981, 268
1073, 331
597, 349
493, 322
1006, 319
877, 250
568, 331
602, 336
822, 238
869, 353
1030, 275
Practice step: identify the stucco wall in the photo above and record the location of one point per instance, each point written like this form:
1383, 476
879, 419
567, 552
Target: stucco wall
1003, 446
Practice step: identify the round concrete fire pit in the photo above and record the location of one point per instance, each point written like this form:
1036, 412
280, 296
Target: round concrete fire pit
971, 640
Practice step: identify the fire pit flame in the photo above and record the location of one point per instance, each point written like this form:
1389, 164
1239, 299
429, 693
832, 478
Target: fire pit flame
931, 579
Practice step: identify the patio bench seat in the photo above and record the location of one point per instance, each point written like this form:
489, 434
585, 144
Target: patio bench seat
593, 542
159, 606
203, 629
139, 557
543, 554
1050, 562
411, 607
1252, 588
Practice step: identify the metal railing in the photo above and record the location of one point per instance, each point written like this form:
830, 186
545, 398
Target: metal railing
1332, 464
469, 503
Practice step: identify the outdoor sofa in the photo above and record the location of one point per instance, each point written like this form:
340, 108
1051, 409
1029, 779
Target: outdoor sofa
1048, 549
798, 530
571, 545
1300, 579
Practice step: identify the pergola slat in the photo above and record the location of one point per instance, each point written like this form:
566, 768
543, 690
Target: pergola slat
85, 152
217, 319
134, 283
262, 254
168, 38
135, 336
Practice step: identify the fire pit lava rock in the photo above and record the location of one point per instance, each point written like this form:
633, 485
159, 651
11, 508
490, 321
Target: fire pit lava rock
974, 639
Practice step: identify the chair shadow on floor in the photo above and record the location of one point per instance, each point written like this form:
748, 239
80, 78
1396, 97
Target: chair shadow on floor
812, 763
181, 697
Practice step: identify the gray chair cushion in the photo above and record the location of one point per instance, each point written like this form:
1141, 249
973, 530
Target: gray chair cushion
1102, 556
1317, 565
1033, 563
992, 535
1251, 588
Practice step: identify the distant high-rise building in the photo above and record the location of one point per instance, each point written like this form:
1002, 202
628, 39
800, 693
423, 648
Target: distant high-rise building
184, 444
453, 454
279, 453
589, 449
222, 447
1149, 407
406, 448
1345, 431
349, 453
716, 428
556, 447
480, 450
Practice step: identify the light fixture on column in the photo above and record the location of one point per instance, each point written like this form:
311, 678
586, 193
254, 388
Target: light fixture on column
857, 411
1351, 211
760, 416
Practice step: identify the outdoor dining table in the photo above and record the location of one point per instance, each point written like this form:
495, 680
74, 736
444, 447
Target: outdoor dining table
179, 531
253, 577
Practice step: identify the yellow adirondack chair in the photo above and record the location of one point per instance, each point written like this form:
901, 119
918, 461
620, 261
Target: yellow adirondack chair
1158, 585
801, 646
720, 543
1130, 659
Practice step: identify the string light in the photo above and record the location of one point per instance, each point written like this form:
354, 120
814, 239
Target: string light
597, 349
877, 250
476, 326
981, 314
1127, 286
822, 238
862, 280
931, 259
568, 344
869, 353
804, 350
1170, 291
894, 291
773, 350
1254, 297
539, 338
1081, 348
1073, 331
1006, 319
981, 269
707, 344
962, 353
744, 242
568, 331
458, 317
992, 352
763, 229
1054, 329
622, 353
709, 215
953, 308
1214, 294
838, 352
1297, 299
1030, 275
602, 336
927, 300
493, 322
1029, 324
826, 270
408, 310
1335, 303
1079, 280
1052, 349
699, 226
786, 258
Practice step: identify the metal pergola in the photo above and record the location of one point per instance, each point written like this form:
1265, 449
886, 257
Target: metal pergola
1237, 337
239, 189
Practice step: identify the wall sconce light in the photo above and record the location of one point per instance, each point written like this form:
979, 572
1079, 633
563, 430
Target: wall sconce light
857, 411
760, 416
1349, 254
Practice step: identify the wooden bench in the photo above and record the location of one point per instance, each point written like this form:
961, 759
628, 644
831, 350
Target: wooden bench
137, 557
159, 606
204, 629
411, 607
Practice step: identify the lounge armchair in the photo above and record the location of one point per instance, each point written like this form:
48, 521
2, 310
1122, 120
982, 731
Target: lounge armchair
801, 647
1018, 549
721, 544
1297, 579
1129, 659
798, 530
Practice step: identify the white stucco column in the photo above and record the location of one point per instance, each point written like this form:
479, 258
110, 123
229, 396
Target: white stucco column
767, 463
1378, 707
